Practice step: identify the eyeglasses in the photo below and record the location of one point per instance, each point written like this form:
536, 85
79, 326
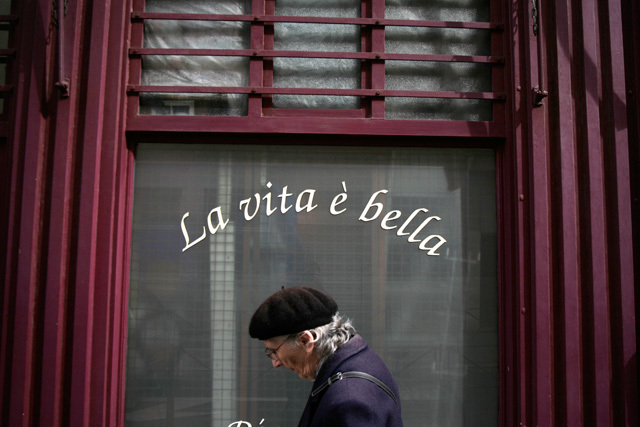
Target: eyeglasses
271, 353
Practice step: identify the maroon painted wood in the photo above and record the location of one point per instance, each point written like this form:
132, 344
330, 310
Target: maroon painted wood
567, 175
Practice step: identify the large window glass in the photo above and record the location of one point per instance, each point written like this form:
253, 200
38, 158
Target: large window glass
403, 238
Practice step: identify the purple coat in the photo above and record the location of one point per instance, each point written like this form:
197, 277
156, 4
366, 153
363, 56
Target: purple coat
353, 402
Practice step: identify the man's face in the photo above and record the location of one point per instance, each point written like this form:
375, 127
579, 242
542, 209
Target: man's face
296, 354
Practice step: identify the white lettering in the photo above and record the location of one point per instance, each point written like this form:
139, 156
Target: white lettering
339, 199
412, 238
221, 222
186, 235
401, 231
283, 204
370, 204
267, 197
391, 216
309, 206
432, 250
246, 203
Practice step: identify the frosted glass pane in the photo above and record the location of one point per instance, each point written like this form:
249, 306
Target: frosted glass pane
437, 41
317, 37
438, 10
193, 104
435, 76
325, 8
172, 70
222, 7
186, 34
5, 7
438, 76
438, 109
316, 73
195, 71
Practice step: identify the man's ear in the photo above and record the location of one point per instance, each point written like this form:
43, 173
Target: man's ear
307, 340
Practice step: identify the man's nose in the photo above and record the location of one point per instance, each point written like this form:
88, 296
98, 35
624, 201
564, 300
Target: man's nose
276, 363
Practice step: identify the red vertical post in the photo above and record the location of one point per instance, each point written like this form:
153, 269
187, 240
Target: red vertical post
256, 65
29, 152
569, 276
377, 65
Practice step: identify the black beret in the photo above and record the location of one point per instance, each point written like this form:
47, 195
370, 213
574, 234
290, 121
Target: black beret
292, 310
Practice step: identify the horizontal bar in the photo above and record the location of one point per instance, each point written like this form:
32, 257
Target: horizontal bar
7, 52
316, 125
134, 89
317, 54
6, 88
317, 20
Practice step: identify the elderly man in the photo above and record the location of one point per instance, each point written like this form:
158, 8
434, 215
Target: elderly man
302, 330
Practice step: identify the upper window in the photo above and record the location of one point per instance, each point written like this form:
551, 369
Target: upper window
395, 60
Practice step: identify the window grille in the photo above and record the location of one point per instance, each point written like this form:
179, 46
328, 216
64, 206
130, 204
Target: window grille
252, 61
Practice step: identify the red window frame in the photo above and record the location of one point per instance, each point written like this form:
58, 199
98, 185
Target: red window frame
368, 120
264, 124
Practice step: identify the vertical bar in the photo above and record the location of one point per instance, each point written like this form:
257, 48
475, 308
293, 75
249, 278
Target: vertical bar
497, 71
256, 64
377, 65
515, 178
85, 296
110, 285
135, 63
572, 398
596, 277
23, 267
541, 278
619, 216
60, 236
267, 63
121, 261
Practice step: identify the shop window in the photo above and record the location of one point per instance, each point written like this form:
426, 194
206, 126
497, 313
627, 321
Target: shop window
426, 303
351, 59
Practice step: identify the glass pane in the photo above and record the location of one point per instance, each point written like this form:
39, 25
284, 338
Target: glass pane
190, 104
312, 72
445, 10
434, 76
421, 288
316, 73
438, 76
437, 41
173, 70
325, 8
222, 7
5, 7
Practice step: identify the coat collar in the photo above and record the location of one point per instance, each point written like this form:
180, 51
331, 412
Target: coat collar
355, 345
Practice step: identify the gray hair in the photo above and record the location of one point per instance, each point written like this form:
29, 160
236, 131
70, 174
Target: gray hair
328, 338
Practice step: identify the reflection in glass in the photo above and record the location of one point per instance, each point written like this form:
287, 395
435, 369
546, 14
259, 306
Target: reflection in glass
433, 318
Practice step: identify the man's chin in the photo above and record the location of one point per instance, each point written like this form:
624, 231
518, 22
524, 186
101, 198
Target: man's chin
305, 377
